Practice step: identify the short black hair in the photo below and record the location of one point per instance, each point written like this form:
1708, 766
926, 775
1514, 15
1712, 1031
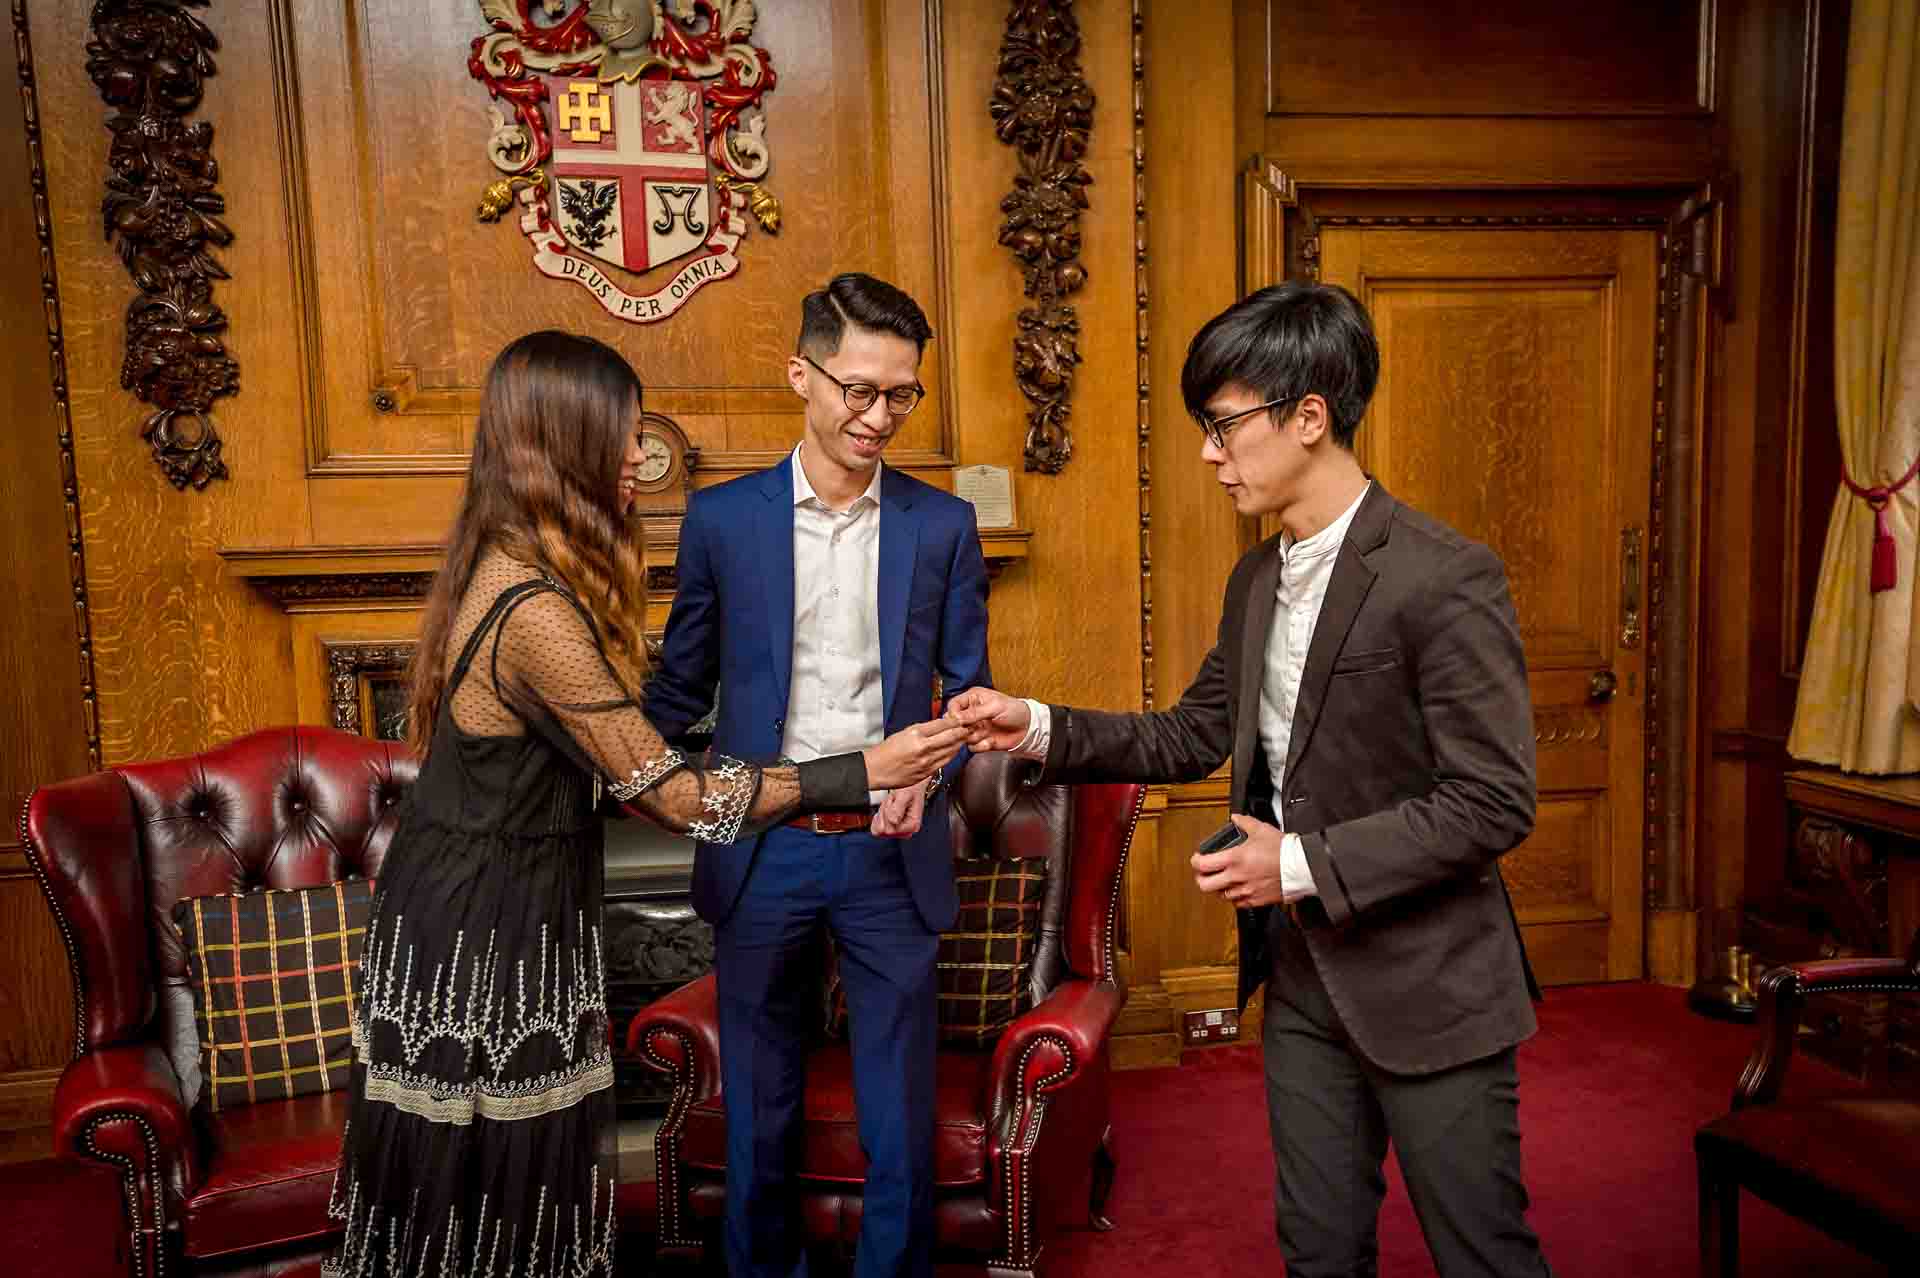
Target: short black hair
864, 302
1289, 341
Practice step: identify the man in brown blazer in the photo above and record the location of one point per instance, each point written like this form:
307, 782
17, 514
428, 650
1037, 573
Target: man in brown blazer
1369, 686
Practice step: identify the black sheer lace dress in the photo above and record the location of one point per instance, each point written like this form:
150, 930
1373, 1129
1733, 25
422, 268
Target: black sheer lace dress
480, 1134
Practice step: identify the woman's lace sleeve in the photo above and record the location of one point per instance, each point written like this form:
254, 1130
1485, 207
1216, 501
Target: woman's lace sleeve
547, 665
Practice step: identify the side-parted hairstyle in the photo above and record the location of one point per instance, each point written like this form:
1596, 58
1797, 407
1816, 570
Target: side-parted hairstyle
863, 302
1288, 341
556, 416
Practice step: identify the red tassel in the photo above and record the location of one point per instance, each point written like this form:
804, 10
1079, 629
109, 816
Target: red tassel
1885, 570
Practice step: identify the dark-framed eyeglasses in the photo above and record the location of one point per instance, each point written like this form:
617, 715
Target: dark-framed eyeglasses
901, 400
1218, 428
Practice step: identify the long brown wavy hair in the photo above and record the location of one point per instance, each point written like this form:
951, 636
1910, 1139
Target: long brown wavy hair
555, 419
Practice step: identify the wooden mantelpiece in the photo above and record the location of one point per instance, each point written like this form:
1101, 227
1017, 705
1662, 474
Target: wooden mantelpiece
355, 610
298, 576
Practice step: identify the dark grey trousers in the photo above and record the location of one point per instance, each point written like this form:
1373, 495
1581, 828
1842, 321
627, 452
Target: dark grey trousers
1456, 1135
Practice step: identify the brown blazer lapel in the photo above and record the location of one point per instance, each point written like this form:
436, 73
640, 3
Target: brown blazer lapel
1256, 623
1347, 590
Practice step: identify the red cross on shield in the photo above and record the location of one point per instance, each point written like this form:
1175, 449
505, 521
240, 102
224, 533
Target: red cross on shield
630, 175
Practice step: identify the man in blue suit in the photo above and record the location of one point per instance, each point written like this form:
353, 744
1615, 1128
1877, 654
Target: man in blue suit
819, 598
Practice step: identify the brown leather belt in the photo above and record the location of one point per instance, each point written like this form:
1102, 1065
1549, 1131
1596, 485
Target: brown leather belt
833, 822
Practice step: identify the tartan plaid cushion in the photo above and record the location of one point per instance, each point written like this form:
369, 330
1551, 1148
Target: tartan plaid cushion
275, 978
986, 958
985, 964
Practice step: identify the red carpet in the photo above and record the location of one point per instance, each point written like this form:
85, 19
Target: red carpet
1611, 1090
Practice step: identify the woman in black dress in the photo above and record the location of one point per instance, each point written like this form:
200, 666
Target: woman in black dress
480, 1138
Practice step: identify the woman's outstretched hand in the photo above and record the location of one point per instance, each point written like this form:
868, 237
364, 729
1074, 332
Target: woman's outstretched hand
913, 754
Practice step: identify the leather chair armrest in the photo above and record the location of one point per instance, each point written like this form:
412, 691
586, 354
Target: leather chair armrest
1050, 1046
679, 1035
1821, 976
1783, 993
122, 1105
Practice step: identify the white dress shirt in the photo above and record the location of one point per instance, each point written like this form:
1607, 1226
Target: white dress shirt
1306, 567
834, 701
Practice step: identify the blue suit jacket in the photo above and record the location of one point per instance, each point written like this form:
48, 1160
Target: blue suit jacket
731, 631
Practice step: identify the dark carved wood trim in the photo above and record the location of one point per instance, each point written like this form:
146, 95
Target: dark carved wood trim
335, 586
1043, 108
1809, 392
301, 575
57, 358
346, 662
149, 59
1692, 299
1744, 743
1142, 329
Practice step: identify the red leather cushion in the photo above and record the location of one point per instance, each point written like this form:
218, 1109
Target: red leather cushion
66, 1218
1858, 1156
832, 1148
268, 1175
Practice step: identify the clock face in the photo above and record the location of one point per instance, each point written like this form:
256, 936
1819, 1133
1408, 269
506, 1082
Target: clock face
656, 458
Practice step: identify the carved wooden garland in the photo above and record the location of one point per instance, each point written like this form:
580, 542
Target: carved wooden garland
1042, 107
149, 59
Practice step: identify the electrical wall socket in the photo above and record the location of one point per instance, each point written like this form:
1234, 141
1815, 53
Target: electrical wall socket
1220, 1025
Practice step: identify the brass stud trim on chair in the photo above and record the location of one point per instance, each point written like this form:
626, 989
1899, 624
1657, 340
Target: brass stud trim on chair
34, 859
672, 1229
130, 1184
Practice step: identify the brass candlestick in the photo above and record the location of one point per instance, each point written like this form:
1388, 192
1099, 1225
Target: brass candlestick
1729, 995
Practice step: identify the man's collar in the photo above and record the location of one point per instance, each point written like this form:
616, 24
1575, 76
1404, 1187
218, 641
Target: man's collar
1328, 538
803, 489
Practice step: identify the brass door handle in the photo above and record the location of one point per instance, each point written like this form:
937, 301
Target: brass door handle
1602, 685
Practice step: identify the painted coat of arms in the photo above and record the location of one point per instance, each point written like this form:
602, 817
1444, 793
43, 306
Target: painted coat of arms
637, 138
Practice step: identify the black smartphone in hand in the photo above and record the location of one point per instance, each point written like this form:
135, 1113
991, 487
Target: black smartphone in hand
1227, 836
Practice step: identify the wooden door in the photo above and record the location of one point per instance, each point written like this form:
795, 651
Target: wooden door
1516, 403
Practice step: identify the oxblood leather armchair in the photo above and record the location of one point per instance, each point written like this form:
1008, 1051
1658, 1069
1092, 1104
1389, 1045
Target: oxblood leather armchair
1849, 1165
243, 1190
1021, 1129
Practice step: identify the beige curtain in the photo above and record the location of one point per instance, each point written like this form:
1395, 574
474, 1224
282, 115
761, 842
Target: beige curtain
1857, 688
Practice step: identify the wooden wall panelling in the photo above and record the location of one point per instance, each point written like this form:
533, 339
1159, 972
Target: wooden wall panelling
213, 656
46, 726
1399, 149
1485, 152
854, 123
1193, 536
1065, 624
1812, 449
183, 657
1490, 57
1696, 280
1774, 464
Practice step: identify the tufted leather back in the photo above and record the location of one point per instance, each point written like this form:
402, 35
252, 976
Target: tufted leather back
1082, 832
282, 808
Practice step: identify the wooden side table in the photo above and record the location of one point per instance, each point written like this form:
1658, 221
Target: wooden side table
1851, 886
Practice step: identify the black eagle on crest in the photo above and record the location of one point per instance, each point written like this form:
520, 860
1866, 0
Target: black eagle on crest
588, 205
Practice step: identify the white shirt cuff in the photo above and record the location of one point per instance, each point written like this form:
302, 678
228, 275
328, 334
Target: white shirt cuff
1039, 732
1296, 879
